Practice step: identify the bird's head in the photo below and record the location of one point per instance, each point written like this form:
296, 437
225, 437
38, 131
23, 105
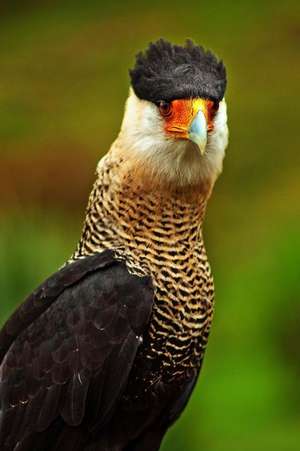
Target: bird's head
175, 123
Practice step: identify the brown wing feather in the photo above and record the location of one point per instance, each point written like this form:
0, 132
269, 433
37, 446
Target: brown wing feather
86, 332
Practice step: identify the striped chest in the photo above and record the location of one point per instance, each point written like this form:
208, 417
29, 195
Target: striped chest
159, 234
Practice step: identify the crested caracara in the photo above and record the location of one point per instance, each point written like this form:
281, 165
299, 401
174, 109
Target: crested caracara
105, 354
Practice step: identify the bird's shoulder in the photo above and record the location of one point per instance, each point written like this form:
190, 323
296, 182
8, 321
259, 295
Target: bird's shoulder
107, 272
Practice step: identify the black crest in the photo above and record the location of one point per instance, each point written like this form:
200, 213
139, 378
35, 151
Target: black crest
166, 72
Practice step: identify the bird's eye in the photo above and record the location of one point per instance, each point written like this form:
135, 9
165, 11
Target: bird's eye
165, 108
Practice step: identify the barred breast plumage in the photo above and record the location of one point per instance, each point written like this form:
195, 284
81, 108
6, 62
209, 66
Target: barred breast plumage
157, 233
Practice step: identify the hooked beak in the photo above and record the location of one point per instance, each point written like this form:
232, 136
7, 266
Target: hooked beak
198, 131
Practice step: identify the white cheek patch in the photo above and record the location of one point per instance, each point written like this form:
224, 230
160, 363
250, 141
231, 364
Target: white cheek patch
218, 140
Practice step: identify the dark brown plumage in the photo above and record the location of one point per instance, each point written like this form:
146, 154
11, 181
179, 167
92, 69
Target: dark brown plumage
72, 343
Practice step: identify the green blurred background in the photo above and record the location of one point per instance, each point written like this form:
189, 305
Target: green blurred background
63, 83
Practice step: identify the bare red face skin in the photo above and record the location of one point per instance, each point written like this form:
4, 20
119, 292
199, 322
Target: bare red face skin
179, 114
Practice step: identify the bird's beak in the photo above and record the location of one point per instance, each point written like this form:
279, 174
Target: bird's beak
189, 119
198, 131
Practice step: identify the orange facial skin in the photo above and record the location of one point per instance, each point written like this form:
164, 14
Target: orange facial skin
181, 112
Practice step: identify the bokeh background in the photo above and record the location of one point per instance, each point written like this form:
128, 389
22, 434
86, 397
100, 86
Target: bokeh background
63, 83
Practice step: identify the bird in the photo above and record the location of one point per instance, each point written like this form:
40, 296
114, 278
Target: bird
105, 354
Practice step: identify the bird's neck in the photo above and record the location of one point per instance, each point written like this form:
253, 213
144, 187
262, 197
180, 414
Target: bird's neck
139, 216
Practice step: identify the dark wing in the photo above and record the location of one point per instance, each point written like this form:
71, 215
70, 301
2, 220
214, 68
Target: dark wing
74, 337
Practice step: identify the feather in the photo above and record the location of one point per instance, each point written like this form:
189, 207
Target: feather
166, 72
79, 348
